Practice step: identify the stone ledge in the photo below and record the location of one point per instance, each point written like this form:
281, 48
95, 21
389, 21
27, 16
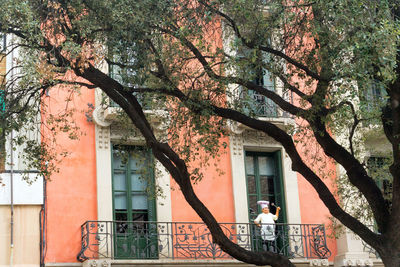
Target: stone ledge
63, 264
181, 263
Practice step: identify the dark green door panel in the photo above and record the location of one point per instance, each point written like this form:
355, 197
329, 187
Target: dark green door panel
134, 204
265, 182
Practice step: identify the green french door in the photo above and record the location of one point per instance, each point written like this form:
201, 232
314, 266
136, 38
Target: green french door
264, 182
133, 203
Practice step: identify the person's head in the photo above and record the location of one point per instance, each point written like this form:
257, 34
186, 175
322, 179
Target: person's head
264, 205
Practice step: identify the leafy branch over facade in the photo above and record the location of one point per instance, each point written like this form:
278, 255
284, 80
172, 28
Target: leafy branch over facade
203, 60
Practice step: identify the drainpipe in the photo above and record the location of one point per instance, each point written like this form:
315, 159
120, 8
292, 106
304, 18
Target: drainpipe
12, 200
43, 224
12, 177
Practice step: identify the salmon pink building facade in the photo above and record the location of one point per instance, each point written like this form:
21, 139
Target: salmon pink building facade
99, 209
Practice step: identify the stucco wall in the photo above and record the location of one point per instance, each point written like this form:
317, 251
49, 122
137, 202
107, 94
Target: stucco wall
71, 193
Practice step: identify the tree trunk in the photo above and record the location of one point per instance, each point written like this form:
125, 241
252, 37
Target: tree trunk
391, 261
390, 256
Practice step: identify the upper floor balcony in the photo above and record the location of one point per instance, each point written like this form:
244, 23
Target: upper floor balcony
262, 107
122, 240
258, 106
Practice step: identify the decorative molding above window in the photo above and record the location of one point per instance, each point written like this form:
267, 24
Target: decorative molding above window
282, 122
99, 117
104, 117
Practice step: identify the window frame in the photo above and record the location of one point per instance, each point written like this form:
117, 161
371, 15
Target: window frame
151, 209
384, 183
258, 104
277, 182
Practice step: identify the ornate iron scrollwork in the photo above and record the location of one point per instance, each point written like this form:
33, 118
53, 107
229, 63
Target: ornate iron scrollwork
177, 240
319, 242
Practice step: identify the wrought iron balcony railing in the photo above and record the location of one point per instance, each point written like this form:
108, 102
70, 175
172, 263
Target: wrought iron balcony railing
261, 106
185, 240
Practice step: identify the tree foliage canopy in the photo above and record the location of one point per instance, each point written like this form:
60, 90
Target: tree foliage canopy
202, 61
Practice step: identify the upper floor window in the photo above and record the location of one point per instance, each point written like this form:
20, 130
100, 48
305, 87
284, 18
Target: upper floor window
373, 97
122, 69
254, 70
378, 168
126, 68
376, 96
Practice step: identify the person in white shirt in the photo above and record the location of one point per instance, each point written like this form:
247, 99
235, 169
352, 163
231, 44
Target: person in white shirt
266, 221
